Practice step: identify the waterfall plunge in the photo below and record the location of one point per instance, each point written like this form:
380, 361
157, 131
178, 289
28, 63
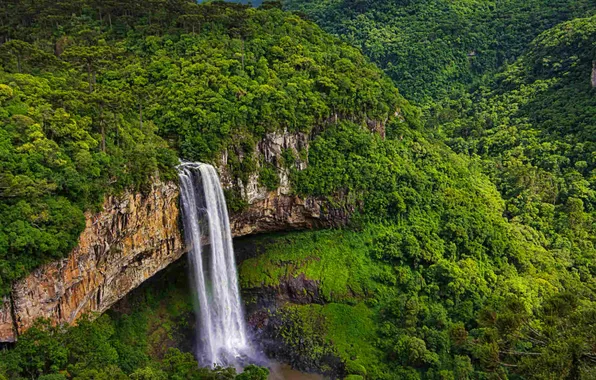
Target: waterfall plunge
222, 333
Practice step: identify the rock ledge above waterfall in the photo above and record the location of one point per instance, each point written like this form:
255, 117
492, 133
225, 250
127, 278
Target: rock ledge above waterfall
137, 235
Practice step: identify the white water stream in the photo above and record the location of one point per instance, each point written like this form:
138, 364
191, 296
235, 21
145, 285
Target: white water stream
221, 333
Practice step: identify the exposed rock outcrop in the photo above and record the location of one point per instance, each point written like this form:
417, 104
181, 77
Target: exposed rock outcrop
280, 210
136, 235
7, 323
269, 321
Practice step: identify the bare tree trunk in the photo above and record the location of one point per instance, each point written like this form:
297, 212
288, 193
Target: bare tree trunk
117, 130
103, 137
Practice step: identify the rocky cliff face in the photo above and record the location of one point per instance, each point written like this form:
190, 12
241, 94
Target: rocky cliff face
279, 210
136, 235
272, 326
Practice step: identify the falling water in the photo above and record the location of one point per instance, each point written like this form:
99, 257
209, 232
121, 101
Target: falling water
222, 334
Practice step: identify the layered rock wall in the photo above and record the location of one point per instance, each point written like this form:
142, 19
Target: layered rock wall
137, 235
280, 209
134, 237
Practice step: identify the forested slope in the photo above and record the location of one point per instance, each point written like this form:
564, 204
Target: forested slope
533, 127
433, 48
477, 263
99, 97
441, 278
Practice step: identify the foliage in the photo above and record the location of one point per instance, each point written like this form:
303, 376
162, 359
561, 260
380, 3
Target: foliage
534, 130
432, 319
430, 256
268, 177
318, 332
146, 340
473, 264
93, 101
560, 343
316, 256
468, 295
432, 48
53, 168
253, 372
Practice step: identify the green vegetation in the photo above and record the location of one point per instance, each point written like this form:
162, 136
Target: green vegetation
432, 48
534, 130
316, 256
445, 317
459, 282
471, 254
317, 331
147, 337
434, 259
105, 96
54, 165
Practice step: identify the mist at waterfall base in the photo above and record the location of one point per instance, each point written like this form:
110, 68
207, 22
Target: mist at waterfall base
221, 332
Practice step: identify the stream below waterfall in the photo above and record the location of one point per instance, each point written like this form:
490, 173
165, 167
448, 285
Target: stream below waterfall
286, 372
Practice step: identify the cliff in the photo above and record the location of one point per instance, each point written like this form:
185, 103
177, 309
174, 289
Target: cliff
137, 235
132, 238
279, 210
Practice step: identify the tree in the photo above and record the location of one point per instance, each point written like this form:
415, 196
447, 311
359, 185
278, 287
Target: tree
253, 372
40, 351
91, 57
26, 56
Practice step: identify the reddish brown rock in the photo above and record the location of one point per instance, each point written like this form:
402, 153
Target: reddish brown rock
135, 236
6, 321
278, 212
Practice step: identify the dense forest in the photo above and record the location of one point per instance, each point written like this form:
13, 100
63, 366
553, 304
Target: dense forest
471, 254
532, 127
434, 48
98, 105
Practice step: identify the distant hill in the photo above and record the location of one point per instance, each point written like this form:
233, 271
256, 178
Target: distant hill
431, 48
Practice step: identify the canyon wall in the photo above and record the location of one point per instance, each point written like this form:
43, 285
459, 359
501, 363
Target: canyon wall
132, 238
137, 235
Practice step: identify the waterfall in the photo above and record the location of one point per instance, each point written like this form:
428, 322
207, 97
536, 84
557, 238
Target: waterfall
221, 331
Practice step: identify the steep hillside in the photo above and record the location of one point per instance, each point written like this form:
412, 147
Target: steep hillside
433, 48
105, 97
467, 260
438, 280
528, 314
533, 127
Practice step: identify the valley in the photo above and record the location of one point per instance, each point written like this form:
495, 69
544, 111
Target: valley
409, 187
